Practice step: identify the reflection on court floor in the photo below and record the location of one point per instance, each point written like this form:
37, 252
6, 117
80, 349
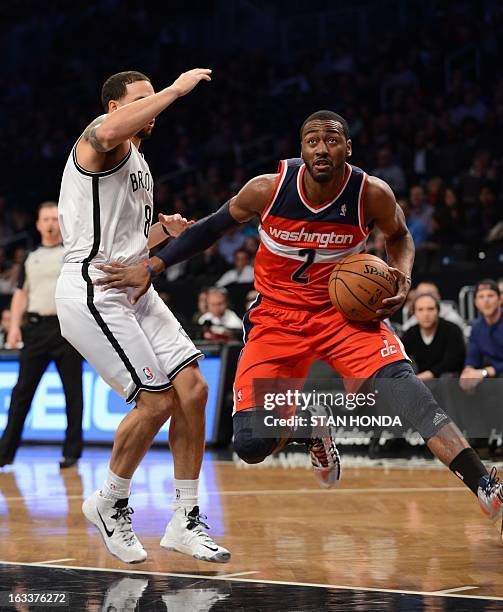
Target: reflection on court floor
400, 535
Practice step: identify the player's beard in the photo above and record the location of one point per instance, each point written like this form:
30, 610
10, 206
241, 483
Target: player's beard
324, 177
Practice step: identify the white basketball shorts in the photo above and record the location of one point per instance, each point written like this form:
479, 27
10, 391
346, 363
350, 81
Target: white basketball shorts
132, 347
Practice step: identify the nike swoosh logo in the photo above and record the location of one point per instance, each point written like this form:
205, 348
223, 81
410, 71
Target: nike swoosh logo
109, 533
206, 546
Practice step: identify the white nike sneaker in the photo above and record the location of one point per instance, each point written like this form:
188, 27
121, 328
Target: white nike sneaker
325, 457
124, 594
113, 519
185, 534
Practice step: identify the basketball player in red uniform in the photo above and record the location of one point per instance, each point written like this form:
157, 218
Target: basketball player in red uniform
312, 212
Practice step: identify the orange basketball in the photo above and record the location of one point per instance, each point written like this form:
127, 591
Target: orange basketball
358, 285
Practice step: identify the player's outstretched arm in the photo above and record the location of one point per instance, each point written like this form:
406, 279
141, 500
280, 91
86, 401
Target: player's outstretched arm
113, 130
381, 208
250, 201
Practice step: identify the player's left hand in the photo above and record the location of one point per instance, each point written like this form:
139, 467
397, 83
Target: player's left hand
120, 276
392, 304
174, 224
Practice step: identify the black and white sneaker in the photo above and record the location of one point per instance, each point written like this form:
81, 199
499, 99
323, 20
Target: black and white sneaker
325, 457
185, 533
113, 519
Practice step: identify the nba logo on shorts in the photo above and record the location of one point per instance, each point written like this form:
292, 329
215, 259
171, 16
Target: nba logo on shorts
344, 210
148, 373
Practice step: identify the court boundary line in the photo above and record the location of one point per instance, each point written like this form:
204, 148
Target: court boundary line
256, 581
237, 493
456, 589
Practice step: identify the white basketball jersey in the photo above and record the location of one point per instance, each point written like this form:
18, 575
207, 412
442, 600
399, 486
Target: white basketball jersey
106, 216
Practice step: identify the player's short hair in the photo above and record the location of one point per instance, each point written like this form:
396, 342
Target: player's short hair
326, 115
46, 204
487, 283
115, 87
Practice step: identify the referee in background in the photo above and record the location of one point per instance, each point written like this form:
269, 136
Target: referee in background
42, 342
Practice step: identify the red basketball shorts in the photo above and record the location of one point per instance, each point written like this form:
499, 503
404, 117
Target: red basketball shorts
283, 343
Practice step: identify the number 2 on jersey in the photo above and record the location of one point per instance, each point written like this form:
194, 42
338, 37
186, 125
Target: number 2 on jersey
148, 220
297, 276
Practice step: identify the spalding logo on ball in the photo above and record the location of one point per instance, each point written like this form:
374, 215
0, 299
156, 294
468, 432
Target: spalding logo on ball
358, 285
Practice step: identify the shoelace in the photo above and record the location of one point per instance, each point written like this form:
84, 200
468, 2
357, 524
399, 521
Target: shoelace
195, 523
124, 525
317, 448
492, 483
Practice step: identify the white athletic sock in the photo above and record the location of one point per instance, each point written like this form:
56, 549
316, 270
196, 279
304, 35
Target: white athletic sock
185, 494
116, 487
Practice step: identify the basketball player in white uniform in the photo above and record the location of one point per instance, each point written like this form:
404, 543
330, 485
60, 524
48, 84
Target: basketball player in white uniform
140, 349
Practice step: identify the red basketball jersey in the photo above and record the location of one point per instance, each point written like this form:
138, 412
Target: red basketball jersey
300, 242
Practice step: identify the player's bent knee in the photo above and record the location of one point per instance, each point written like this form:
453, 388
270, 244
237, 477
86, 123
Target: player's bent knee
402, 393
250, 447
191, 386
156, 407
200, 392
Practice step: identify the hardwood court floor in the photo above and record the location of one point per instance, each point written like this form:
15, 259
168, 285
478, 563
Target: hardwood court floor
408, 529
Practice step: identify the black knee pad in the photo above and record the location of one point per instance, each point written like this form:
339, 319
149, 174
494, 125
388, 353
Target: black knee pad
250, 447
403, 394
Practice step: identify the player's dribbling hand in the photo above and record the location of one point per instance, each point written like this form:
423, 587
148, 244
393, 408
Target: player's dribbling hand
119, 276
175, 224
188, 80
394, 303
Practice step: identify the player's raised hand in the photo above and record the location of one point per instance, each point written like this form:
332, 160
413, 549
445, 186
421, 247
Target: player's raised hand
188, 80
119, 276
174, 224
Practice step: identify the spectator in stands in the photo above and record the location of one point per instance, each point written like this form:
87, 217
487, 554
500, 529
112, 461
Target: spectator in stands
500, 287
229, 243
420, 215
448, 220
484, 357
389, 171
472, 181
220, 321
376, 245
202, 305
447, 310
437, 346
209, 265
251, 245
242, 271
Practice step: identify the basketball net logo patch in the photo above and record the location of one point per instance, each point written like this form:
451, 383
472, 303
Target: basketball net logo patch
389, 349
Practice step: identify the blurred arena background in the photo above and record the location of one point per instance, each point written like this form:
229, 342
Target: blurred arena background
421, 86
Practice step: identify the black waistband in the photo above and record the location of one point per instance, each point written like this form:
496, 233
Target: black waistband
34, 317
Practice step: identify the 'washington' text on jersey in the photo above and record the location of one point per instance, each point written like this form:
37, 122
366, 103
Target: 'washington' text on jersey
300, 241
